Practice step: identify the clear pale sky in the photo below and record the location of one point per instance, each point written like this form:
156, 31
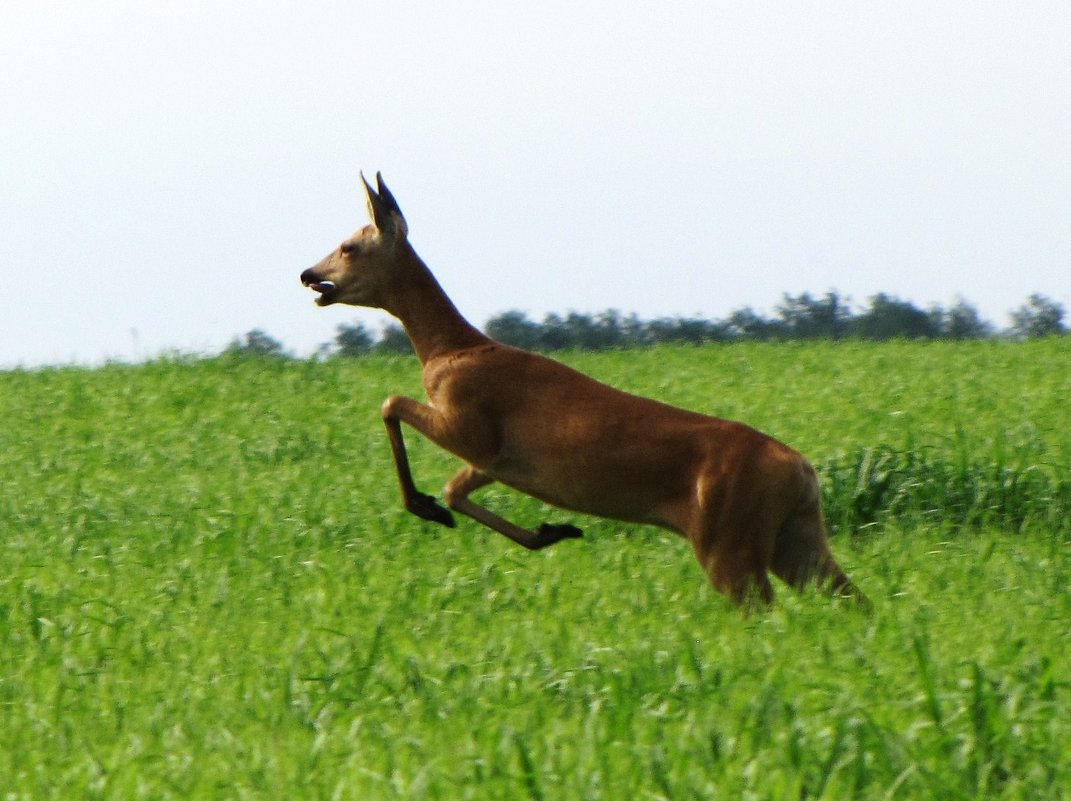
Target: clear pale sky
168, 169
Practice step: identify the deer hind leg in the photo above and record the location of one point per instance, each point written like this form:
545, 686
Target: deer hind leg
468, 480
424, 419
801, 556
734, 546
741, 577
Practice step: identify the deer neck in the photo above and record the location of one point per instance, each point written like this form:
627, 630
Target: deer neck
433, 323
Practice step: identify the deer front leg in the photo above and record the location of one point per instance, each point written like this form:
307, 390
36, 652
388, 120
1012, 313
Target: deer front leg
469, 479
421, 417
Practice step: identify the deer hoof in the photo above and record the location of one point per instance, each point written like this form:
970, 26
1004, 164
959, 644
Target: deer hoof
553, 532
426, 507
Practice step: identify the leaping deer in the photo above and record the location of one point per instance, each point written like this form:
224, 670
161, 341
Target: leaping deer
747, 503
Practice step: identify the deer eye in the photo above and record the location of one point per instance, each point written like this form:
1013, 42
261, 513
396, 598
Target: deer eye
348, 247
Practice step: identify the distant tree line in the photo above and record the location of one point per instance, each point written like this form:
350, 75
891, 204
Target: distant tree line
796, 317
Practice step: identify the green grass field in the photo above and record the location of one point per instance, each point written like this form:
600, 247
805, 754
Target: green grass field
209, 590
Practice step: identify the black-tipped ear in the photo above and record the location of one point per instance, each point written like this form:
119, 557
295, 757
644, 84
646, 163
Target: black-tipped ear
387, 197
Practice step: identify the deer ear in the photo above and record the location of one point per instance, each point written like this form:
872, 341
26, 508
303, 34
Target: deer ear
387, 197
377, 209
383, 208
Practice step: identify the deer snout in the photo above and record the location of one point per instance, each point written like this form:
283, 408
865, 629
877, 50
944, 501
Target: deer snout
312, 280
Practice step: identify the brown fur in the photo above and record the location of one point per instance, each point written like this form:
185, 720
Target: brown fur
748, 504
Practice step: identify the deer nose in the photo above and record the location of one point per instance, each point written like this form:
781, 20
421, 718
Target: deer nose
309, 277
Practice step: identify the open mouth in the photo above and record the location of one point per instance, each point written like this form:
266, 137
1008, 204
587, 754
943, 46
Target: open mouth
325, 288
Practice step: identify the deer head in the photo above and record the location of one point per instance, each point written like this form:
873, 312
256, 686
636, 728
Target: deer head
358, 271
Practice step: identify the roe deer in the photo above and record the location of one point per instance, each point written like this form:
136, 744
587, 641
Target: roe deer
747, 503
